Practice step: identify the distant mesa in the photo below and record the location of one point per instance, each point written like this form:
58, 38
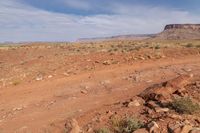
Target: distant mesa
170, 32
180, 32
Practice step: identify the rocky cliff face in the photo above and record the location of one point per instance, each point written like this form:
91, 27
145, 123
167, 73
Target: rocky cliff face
183, 26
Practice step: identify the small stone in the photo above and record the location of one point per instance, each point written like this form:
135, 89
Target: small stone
50, 76
158, 109
163, 56
134, 103
141, 58
66, 74
84, 91
39, 78
17, 109
108, 62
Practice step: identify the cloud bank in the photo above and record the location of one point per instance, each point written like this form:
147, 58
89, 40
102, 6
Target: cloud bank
22, 22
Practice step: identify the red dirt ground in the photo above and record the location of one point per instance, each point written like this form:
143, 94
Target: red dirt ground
41, 87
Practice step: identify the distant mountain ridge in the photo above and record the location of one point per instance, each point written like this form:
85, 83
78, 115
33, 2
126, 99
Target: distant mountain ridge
170, 32
120, 37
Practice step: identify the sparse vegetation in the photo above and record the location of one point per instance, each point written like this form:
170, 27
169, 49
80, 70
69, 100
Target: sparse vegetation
103, 130
126, 125
185, 105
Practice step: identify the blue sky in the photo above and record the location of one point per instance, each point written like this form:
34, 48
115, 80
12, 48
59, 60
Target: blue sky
67, 20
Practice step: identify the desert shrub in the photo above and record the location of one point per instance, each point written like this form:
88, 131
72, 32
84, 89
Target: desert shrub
103, 130
185, 105
157, 47
189, 45
126, 125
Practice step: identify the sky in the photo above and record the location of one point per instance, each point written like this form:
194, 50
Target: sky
68, 20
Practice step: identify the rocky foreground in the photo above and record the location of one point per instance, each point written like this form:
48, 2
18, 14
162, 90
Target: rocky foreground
168, 107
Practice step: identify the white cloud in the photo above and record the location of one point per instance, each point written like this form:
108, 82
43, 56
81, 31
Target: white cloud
21, 22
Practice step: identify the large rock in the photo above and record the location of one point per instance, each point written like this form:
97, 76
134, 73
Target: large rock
163, 91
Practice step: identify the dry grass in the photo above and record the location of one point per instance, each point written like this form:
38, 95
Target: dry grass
126, 125
185, 105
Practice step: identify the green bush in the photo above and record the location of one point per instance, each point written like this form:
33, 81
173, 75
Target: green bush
103, 130
126, 125
185, 105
